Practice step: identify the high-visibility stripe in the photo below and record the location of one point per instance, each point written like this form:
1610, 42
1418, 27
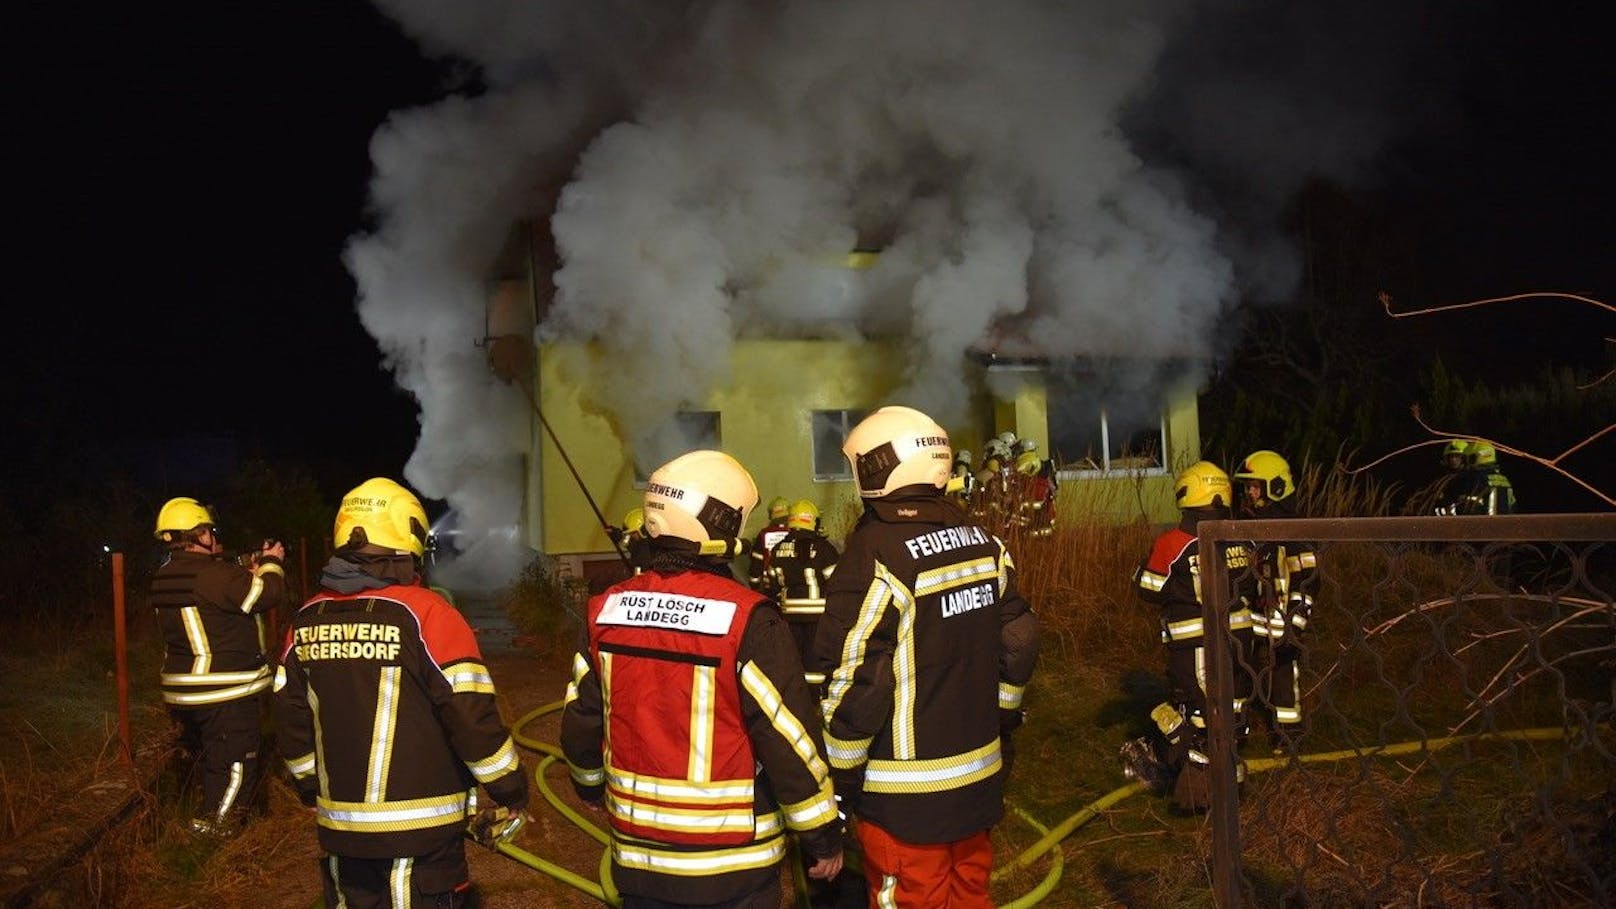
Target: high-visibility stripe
815, 811
786, 723
846, 754
301, 766
934, 774
958, 574
280, 677
810, 579
254, 591
903, 671
214, 678
887, 896
319, 742
803, 606
736, 819
699, 864
331, 862
857, 642
683, 792
1184, 630
580, 668
231, 790
605, 668
197, 636
469, 678
703, 695
398, 882
391, 817
383, 726
1152, 581
217, 695
496, 765
1010, 696
1302, 561
587, 776
814, 678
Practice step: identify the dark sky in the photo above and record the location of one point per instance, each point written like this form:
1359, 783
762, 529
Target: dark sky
190, 173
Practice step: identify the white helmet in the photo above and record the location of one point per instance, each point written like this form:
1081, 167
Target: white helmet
700, 496
896, 447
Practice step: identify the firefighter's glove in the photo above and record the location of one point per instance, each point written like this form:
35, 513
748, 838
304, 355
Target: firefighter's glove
495, 825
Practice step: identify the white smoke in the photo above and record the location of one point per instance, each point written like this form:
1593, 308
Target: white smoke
723, 157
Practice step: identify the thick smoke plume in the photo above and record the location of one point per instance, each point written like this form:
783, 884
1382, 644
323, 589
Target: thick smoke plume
718, 160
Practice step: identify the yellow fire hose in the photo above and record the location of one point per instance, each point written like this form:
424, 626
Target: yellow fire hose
1051, 837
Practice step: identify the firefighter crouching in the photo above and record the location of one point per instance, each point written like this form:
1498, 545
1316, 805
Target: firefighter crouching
1170, 577
688, 718
214, 676
386, 717
800, 564
928, 649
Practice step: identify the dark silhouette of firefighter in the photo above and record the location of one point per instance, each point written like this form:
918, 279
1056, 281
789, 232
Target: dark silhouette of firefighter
215, 679
1170, 577
1265, 488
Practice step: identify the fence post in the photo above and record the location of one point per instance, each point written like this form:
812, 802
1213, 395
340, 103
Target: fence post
1224, 816
120, 645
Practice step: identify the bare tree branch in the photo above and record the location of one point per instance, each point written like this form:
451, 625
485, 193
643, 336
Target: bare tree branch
1386, 302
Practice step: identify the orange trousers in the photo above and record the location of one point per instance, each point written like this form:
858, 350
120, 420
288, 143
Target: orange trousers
926, 876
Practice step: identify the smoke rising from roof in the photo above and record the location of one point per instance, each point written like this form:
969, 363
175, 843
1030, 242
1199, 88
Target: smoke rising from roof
720, 159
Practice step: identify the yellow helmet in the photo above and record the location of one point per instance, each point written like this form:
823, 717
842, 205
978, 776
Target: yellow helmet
804, 515
1482, 453
1456, 453
779, 508
896, 447
389, 515
1202, 484
634, 521
180, 515
1270, 469
1029, 463
699, 496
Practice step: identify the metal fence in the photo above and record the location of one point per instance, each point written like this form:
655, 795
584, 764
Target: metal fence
1458, 680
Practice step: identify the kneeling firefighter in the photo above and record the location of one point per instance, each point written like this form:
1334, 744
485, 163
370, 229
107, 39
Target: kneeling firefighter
688, 717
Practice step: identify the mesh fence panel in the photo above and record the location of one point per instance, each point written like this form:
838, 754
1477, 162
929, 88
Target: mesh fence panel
1457, 679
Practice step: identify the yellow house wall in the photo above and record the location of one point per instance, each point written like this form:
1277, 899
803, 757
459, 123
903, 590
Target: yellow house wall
774, 440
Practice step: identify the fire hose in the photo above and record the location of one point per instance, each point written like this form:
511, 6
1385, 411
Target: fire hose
1051, 837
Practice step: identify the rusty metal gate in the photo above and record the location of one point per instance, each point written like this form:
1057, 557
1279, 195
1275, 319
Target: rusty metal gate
1458, 677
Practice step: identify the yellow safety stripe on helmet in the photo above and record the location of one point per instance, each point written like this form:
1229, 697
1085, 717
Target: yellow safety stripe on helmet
1010, 696
496, 765
934, 774
959, 574
786, 723
680, 792
469, 678
846, 754
254, 591
699, 864
302, 766
703, 719
383, 725
391, 817
218, 695
580, 668
197, 636
1151, 581
734, 819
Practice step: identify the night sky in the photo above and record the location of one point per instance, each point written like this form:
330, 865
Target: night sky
189, 174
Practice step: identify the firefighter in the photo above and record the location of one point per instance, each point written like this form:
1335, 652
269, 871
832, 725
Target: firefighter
630, 537
387, 720
1265, 488
1480, 488
757, 564
1170, 577
214, 676
688, 718
962, 485
800, 565
927, 647
1035, 487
